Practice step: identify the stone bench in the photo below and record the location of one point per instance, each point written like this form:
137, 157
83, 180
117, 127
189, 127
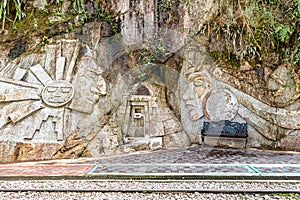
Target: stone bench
225, 129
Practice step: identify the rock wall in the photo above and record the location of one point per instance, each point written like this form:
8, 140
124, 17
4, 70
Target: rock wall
93, 93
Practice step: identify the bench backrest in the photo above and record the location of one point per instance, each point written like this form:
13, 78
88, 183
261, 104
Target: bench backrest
225, 128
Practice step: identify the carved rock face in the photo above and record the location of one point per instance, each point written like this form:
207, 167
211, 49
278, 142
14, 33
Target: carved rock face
195, 93
90, 85
45, 98
58, 93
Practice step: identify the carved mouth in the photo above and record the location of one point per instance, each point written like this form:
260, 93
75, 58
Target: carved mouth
56, 100
93, 101
190, 108
193, 111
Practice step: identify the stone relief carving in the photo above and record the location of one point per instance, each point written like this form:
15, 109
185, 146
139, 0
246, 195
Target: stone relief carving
274, 116
209, 97
282, 117
278, 88
57, 93
89, 84
197, 82
41, 109
203, 100
34, 103
44, 97
196, 92
283, 85
220, 104
227, 94
215, 94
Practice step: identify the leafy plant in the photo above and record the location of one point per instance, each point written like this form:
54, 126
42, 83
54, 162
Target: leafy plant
78, 5
252, 29
43, 41
35, 23
5, 11
154, 52
79, 10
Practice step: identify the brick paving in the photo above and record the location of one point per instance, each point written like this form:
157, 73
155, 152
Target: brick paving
202, 161
197, 155
168, 169
189, 161
45, 170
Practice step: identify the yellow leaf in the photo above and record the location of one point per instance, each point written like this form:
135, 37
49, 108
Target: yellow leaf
259, 47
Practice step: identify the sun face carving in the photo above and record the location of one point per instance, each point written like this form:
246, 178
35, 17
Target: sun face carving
34, 104
37, 103
58, 93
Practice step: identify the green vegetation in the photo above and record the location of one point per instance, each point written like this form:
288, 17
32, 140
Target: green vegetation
262, 32
153, 53
8, 7
149, 58
105, 13
259, 31
21, 19
168, 12
290, 195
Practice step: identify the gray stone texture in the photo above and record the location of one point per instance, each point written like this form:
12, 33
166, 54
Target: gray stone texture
90, 94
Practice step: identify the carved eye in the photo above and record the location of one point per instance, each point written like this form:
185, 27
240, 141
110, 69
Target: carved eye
199, 81
91, 74
52, 89
66, 89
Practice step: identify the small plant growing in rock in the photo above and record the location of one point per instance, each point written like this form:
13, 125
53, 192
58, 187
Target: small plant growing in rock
15, 8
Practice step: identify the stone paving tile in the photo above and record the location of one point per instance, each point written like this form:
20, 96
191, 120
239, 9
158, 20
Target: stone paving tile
183, 161
279, 169
207, 156
44, 170
197, 160
199, 169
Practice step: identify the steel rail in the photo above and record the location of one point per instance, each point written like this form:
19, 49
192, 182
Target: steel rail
145, 190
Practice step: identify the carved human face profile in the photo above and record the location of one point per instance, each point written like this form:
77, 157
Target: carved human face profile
90, 85
198, 88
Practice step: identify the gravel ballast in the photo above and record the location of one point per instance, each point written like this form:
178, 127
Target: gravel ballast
144, 185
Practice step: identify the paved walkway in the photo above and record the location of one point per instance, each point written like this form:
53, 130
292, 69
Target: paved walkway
193, 161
